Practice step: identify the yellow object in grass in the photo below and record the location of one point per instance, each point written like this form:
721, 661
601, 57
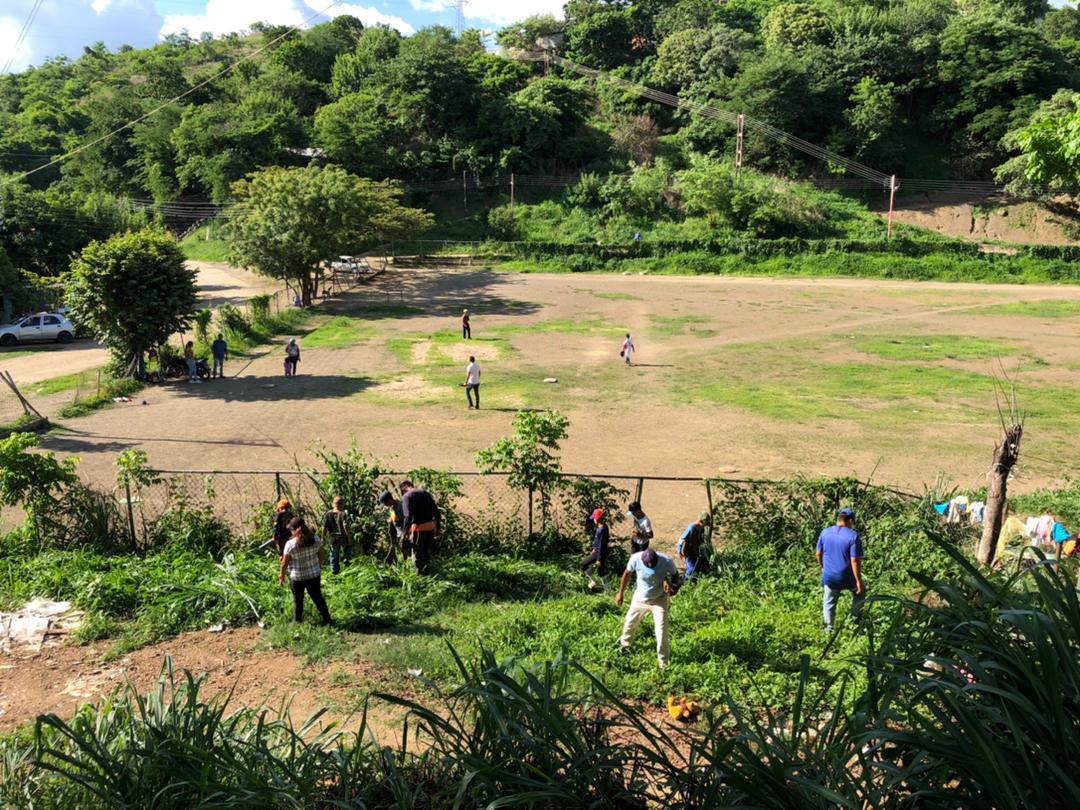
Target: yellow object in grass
682, 709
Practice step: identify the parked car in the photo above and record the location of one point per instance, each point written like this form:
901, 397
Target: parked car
38, 327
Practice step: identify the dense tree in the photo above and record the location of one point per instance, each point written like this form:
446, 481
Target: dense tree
133, 292
523, 36
292, 221
795, 26
1051, 147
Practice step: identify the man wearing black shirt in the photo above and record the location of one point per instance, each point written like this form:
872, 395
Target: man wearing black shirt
421, 525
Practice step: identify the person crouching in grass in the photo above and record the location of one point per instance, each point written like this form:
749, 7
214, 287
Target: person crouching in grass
303, 561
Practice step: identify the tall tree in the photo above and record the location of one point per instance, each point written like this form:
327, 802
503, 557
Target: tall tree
132, 291
295, 220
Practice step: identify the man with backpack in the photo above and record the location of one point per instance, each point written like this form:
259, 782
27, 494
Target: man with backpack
337, 536
691, 545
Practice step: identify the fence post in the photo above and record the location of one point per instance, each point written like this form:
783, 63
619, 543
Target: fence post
709, 525
640, 489
530, 511
277, 486
131, 516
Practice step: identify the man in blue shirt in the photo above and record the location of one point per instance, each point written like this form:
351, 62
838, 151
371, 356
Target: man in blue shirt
839, 553
690, 546
219, 349
655, 574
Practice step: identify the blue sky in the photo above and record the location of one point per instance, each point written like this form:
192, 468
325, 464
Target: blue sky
63, 27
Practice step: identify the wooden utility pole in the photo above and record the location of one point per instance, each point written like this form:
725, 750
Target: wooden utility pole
1005, 456
892, 201
739, 143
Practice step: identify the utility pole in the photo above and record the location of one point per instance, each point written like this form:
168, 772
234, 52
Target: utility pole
511, 191
892, 200
739, 143
465, 188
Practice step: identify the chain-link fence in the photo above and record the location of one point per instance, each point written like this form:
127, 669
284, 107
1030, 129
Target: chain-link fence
243, 499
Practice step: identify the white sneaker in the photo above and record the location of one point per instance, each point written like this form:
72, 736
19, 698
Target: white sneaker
197, 381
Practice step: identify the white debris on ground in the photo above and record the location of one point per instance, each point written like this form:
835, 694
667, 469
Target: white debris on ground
39, 623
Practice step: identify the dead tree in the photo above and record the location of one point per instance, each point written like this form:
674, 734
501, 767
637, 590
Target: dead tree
1006, 454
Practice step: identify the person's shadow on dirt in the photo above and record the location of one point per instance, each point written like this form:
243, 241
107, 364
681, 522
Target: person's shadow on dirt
253, 388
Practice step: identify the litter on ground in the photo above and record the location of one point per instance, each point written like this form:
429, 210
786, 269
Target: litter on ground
39, 623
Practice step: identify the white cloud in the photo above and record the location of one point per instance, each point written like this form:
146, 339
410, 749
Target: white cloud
227, 16
503, 13
63, 28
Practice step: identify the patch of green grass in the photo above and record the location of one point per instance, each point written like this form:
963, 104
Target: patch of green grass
385, 311
1033, 309
66, 382
934, 347
200, 249
110, 388
612, 296
339, 333
663, 326
11, 354
589, 325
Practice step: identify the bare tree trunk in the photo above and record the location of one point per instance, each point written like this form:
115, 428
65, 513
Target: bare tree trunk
1005, 456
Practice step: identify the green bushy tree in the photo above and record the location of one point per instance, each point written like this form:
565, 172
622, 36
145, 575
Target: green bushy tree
294, 220
133, 291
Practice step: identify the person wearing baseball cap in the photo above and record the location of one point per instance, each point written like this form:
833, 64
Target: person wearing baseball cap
395, 519
598, 558
656, 584
839, 553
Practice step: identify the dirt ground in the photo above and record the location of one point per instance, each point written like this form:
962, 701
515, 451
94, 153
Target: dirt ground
979, 218
62, 677
623, 421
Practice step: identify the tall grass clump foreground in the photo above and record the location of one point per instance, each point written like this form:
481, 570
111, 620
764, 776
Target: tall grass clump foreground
971, 699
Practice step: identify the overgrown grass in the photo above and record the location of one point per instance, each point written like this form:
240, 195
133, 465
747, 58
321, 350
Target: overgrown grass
110, 388
199, 248
67, 382
991, 268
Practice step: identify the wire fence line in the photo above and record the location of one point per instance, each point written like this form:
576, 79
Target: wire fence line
481, 503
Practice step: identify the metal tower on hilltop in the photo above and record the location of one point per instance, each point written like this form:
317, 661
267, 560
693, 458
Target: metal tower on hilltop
459, 21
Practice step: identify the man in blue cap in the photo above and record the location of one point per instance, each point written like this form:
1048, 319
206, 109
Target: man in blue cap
656, 575
839, 553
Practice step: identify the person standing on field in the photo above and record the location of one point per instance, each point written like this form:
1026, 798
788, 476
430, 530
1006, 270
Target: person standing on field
336, 531
600, 550
421, 524
292, 357
192, 367
302, 562
839, 553
472, 382
642, 532
655, 575
690, 545
466, 329
627, 349
219, 349
393, 529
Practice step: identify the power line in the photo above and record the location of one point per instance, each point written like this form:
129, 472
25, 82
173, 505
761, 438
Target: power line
22, 35
171, 101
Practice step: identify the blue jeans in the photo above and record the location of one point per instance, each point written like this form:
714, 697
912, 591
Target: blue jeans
471, 389
832, 596
219, 367
340, 552
191, 368
691, 569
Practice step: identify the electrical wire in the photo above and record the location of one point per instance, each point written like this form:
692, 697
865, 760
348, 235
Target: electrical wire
22, 36
188, 92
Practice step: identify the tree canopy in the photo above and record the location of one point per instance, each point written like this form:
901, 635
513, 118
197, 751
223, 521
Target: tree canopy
133, 291
292, 221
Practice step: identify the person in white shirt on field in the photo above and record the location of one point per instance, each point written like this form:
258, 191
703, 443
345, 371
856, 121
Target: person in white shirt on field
472, 382
642, 532
628, 349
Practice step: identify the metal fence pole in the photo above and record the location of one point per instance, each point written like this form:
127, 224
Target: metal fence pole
131, 515
530, 511
277, 485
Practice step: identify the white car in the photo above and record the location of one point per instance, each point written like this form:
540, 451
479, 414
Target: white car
42, 326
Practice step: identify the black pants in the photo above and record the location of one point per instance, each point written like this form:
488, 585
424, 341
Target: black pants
466, 332
590, 561
469, 391
314, 588
423, 545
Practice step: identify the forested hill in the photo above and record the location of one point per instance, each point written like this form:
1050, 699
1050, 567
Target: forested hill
922, 88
